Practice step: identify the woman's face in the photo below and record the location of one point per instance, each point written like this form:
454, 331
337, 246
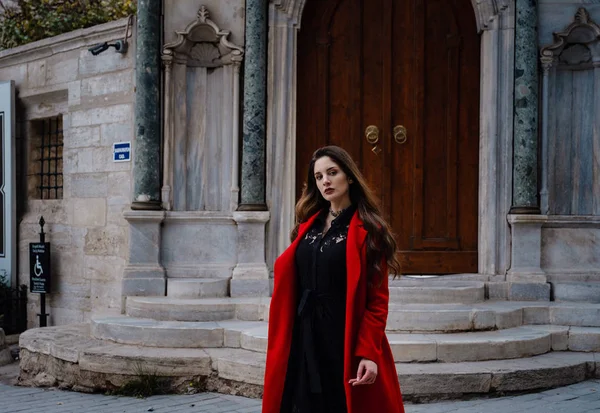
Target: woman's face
331, 180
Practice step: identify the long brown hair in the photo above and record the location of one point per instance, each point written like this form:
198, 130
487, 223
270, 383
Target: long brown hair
380, 241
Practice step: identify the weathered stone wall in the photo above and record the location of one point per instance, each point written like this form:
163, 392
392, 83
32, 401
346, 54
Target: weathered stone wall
571, 248
89, 237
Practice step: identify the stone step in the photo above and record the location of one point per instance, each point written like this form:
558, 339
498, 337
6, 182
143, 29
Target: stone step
74, 360
584, 339
517, 342
453, 380
412, 291
489, 315
171, 334
520, 342
448, 318
587, 292
197, 287
68, 357
232, 364
491, 345
571, 314
478, 346
402, 318
199, 309
242, 366
255, 339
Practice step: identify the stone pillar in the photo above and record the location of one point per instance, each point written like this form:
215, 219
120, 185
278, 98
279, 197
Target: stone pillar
146, 166
526, 278
525, 109
144, 275
250, 275
255, 85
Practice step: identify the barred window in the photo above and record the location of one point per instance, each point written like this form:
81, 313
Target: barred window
46, 166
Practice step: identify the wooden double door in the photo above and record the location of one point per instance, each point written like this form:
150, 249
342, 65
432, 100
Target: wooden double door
396, 84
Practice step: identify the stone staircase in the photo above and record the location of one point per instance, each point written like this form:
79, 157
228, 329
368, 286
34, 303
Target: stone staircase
447, 340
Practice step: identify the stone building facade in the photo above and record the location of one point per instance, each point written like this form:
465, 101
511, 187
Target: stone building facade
175, 249
94, 96
90, 101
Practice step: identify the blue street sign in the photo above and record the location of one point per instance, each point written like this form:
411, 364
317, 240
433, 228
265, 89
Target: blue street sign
121, 151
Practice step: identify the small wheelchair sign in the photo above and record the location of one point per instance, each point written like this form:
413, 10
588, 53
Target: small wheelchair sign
39, 267
121, 151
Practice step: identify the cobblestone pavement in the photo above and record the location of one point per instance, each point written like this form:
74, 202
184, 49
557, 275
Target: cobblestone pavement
578, 398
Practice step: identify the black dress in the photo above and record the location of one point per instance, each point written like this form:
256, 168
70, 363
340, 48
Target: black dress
315, 376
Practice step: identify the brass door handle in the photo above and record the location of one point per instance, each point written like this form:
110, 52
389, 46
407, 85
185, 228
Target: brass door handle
372, 134
400, 134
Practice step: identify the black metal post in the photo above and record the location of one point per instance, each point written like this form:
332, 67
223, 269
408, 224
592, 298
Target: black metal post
22, 309
43, 316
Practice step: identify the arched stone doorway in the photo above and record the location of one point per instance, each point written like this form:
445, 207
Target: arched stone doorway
408, 71
495, 22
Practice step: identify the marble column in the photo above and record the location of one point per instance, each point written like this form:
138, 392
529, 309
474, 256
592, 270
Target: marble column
144, 275
146, 166
251, 276
254, 107
525, 110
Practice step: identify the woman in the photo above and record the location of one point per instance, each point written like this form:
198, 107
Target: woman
327, 349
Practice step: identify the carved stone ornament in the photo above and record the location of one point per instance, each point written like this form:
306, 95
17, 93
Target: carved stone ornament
202, 44
578, 46
485, 10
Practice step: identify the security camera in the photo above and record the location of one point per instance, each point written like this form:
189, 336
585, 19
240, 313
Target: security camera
98, 48
120, 47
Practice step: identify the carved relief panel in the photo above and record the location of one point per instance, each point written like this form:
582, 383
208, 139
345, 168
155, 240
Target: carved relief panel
201, 117
571, 127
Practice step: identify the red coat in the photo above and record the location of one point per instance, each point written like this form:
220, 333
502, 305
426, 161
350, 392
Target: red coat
366, 317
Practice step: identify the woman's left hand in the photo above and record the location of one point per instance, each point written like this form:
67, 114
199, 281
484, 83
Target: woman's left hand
366, 374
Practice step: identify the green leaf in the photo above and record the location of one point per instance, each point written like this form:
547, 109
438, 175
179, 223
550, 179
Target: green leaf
32, 20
